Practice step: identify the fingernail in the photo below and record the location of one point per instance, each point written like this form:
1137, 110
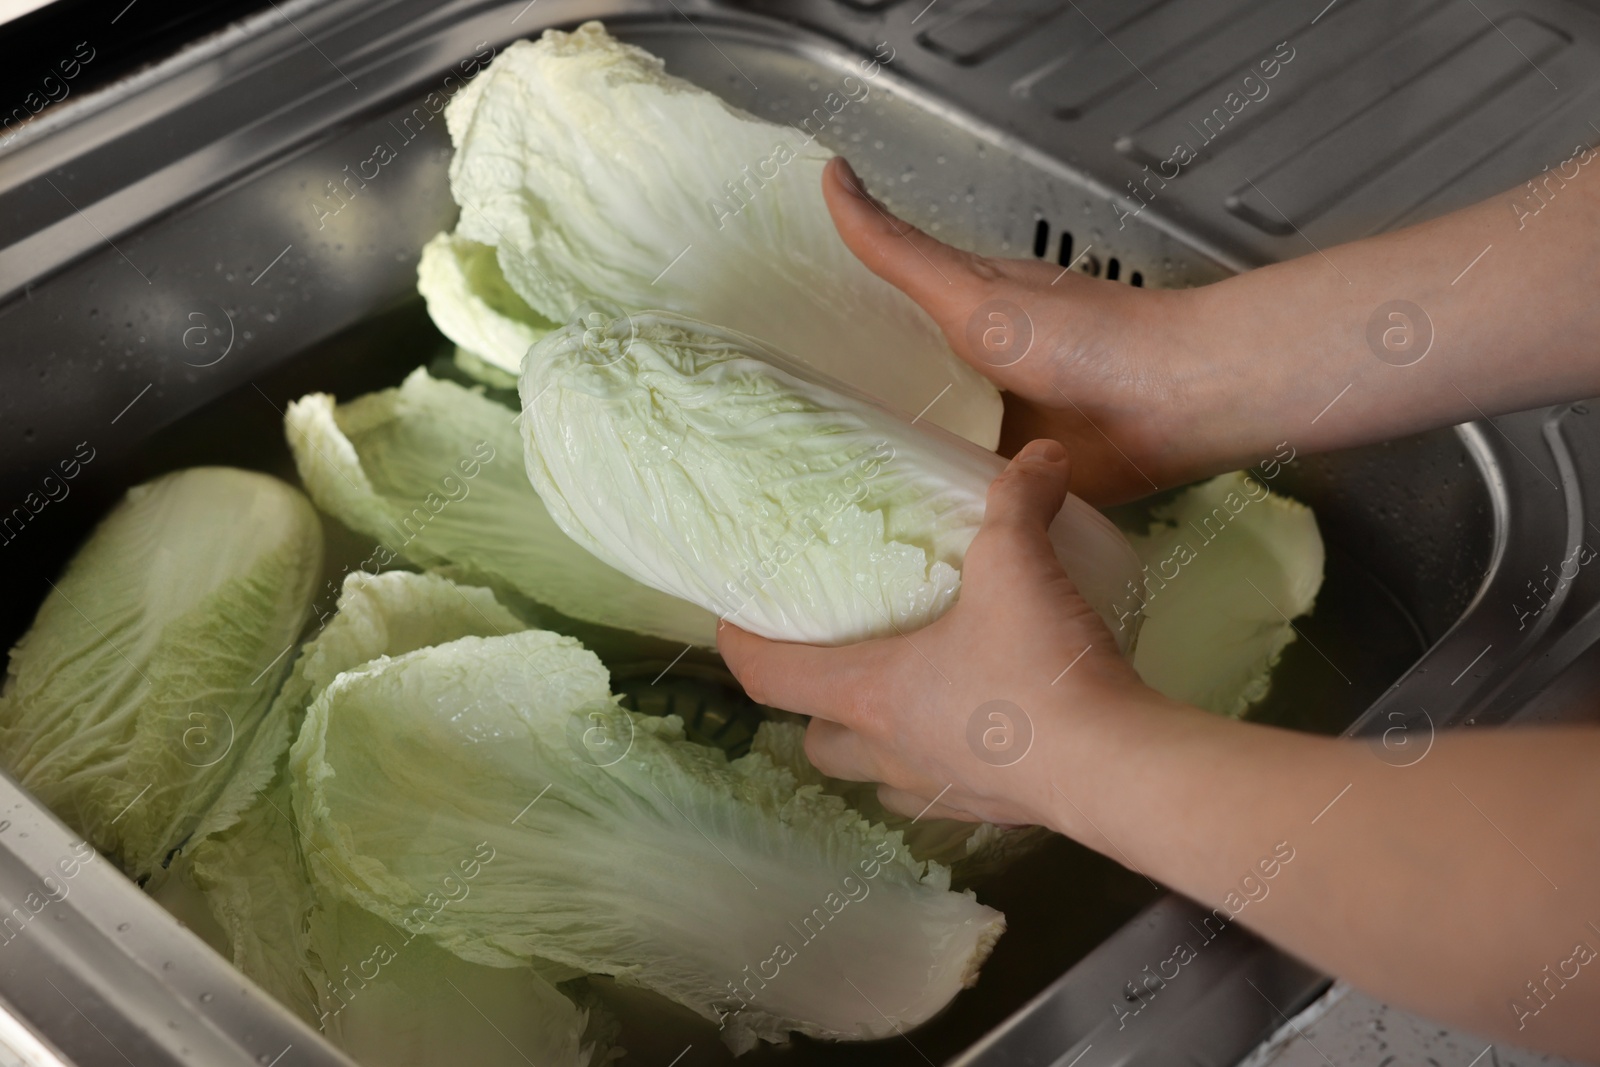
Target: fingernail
1043, 450
852, 181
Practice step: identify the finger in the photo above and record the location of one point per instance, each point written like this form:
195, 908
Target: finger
840, 753
946, 281
971, 298
1022, 502
825, 683
1030, 491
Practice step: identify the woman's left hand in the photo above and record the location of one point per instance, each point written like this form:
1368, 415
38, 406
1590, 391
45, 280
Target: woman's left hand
946, 716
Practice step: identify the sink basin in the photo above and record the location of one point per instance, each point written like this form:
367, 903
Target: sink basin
241, 277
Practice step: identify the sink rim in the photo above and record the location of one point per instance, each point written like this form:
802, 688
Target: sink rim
1543, 527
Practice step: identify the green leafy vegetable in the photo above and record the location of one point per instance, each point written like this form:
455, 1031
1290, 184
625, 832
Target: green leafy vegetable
132, 705
606, 841
428, 1006
433, 472
598, 177
472, 305
700, 462
480, 370
1227, 564
972, 850
386, 615
388, 995
254, 882
252, 875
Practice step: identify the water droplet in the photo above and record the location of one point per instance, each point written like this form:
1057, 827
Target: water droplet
124, 927
206, 998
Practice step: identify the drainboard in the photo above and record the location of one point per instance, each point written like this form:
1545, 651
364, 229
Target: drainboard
1430, 538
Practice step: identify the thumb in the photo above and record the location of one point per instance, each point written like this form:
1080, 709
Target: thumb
1022, 503
1032, 488
947, 282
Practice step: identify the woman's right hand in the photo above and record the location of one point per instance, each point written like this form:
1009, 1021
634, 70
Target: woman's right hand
1092, 364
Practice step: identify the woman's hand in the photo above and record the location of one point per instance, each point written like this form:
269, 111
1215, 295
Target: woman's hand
1015, 707
1346, 345
947, 715
1095, 365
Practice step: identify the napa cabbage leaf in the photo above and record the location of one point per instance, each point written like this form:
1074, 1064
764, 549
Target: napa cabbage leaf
387, 995
388, 614
1227, 565
712, 467
972, 850
605, 840
433, 472
596, 176
470, 302
428, 1006
132, 706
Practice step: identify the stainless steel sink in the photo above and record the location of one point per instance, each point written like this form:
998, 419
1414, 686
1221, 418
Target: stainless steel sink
179, 262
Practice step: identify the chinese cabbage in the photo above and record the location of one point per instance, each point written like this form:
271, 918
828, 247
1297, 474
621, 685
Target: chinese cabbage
1228, 564
972, 850
599, 177
609, 842
132, 705
700, 462
387, 995
433, 472
470, 302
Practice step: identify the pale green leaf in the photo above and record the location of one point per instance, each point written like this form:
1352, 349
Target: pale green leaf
599, 177
666, 867
434, 473
136, 695
1228, 564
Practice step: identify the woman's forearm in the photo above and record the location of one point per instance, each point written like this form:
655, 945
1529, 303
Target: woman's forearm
1449, 884
1487, 310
